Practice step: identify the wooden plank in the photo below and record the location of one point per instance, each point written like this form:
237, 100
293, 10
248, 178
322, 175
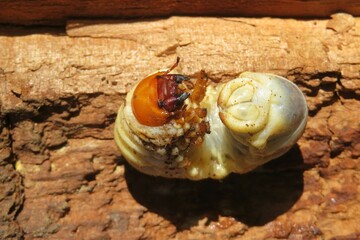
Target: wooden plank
56, 13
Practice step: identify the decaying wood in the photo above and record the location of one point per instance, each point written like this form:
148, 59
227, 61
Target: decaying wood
59, 97
46, 12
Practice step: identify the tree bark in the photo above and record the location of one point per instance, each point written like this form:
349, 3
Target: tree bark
60, 92
47, 12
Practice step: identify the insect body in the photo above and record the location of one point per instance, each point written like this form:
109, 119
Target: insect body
174, 127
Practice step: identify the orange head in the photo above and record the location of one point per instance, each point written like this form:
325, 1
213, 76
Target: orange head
158, 96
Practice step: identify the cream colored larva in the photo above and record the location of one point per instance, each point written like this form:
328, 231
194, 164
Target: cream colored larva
226, 127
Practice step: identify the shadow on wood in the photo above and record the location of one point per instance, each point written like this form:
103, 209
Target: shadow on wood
255, 198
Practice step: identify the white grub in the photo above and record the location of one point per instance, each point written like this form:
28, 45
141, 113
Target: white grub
253, 119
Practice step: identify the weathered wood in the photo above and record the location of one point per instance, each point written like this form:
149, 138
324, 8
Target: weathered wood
60, 93
11, 198
50, 13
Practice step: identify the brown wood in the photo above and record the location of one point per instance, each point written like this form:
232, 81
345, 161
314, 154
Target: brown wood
60, 92
56, 13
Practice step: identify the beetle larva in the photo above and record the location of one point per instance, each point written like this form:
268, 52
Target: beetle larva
171, 126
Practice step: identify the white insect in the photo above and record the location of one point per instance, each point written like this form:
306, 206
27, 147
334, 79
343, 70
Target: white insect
253, 119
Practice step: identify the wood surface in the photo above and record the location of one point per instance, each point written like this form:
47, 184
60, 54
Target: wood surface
48, 12
62, 176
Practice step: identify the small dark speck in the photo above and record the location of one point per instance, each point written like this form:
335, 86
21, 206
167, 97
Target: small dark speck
103, 78
114, 83
247, 124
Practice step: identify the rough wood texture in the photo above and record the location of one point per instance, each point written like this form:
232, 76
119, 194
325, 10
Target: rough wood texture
60, 94
54, 13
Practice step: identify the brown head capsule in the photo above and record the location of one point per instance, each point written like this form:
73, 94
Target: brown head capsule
157, 96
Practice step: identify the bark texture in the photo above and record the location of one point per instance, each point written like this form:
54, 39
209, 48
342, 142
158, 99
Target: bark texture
59, 96
47, 12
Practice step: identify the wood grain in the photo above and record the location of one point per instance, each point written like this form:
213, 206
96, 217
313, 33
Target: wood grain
56, 13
